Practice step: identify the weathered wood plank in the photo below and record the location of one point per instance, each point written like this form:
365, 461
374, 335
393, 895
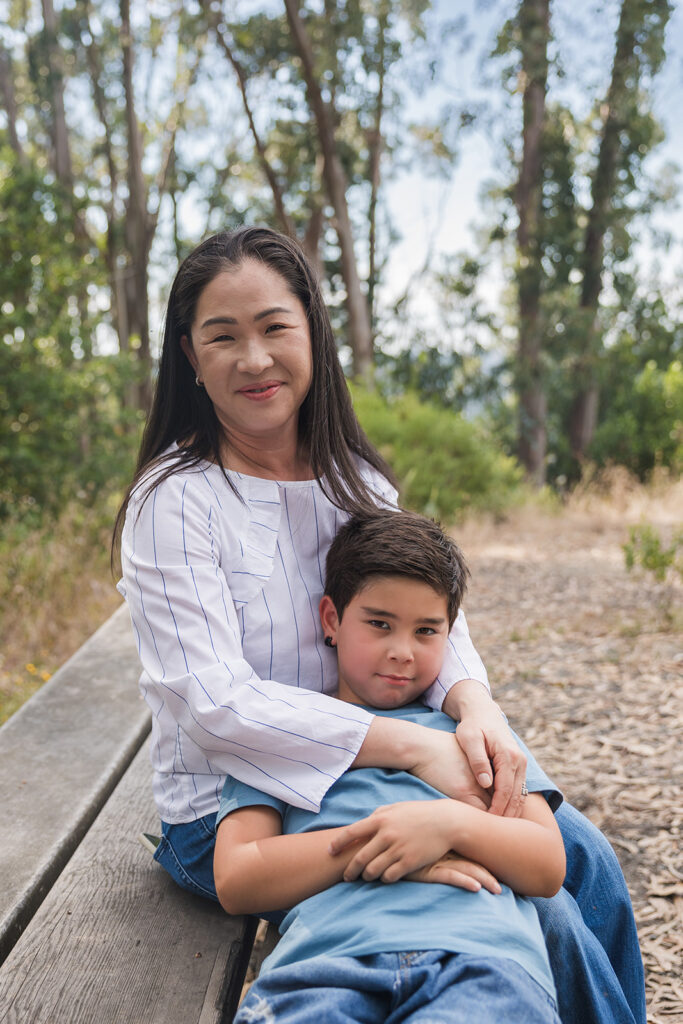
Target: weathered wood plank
117, 941
61, 756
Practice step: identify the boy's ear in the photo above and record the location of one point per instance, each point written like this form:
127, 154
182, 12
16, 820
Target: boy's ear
328, 616
186, 346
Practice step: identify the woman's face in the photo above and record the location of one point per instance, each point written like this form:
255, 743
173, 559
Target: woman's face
251, 348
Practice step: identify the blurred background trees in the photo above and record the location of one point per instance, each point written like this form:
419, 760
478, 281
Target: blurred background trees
129, 131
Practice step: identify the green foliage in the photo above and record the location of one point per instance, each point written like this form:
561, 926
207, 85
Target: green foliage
643, 426
64, 428
444, 464
640, 414
64, 431
646, 550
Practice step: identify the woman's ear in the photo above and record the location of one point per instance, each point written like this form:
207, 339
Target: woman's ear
186, 346
328, 617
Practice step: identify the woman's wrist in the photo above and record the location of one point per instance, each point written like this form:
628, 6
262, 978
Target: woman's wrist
391, 743
468, 696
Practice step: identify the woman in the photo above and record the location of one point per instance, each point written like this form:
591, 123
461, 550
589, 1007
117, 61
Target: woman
251, 458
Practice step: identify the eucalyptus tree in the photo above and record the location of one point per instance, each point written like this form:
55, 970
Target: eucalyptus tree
319, 86
578, 187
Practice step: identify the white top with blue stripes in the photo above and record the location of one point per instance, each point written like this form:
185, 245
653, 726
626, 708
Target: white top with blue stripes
223, 595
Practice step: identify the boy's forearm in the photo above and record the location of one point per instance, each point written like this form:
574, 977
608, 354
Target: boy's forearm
277, 872
521, 853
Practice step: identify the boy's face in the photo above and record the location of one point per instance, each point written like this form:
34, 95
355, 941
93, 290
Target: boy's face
390, 642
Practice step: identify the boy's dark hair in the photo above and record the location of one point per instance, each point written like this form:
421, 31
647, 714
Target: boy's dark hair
392, 542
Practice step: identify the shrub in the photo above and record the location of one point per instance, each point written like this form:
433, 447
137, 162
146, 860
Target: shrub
646, 550
445, 464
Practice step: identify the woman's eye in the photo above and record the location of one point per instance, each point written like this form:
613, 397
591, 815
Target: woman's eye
274, 327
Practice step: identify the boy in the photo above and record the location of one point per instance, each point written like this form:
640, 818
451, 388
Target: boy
347, 952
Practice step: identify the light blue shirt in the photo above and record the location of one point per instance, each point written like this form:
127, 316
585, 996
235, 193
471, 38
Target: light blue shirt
360, 918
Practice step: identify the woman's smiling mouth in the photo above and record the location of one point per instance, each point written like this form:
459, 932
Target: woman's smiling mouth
262, 390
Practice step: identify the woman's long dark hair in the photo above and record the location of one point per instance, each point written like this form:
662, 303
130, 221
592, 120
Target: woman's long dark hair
329, 430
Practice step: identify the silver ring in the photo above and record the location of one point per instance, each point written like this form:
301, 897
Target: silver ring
525, 791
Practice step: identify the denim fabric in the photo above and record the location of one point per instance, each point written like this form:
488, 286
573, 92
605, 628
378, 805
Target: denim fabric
186, 851
589, 926
431, 987
590, 932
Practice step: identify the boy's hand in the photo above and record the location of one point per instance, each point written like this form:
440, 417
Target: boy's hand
398, 839
458, 872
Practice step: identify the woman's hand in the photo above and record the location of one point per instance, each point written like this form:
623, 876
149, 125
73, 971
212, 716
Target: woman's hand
432, 755
458, 872
398, 839
486, 740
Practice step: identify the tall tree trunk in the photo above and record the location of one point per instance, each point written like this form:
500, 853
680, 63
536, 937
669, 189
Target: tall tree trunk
375, 146
636, 19
534, 16
360, 333
8, 102
60, 135
136, 219
281, 215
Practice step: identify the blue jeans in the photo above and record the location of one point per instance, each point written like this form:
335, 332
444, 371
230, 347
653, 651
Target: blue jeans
186, 852
589, 926
590, 932
432, 987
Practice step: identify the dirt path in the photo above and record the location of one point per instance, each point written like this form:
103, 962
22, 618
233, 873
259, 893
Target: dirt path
589, 671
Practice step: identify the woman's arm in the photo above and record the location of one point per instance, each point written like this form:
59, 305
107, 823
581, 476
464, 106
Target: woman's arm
432, 755
526, 853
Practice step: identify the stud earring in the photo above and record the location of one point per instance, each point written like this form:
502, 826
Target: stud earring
329, 642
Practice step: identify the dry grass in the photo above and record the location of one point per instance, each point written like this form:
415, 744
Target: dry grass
56, 589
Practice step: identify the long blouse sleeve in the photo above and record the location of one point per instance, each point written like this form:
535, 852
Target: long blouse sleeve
203, 573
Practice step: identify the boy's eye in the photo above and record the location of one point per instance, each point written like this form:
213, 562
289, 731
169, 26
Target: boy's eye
426, 631
378, 623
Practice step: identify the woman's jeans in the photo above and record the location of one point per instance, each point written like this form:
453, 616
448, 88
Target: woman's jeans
432, 987
590, 932
589, 926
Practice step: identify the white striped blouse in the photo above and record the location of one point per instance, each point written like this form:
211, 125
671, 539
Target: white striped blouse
223, 595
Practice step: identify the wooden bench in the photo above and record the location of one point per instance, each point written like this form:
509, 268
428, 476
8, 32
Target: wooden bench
91, 929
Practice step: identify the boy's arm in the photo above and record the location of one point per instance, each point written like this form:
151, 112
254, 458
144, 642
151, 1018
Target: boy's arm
257, 868
525, 853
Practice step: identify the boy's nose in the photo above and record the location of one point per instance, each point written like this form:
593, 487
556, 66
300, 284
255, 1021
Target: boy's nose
401, 651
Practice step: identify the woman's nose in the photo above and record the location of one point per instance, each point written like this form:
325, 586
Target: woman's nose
254, 357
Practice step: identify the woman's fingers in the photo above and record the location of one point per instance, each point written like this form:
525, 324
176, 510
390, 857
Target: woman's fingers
489, 744
510, 774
